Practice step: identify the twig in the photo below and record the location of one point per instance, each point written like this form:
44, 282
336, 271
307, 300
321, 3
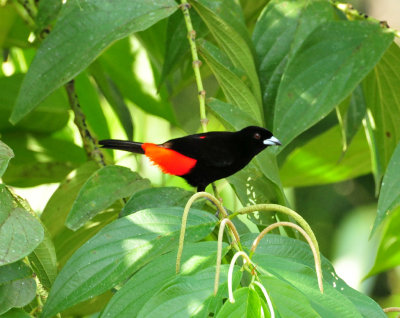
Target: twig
88, 140
185, 6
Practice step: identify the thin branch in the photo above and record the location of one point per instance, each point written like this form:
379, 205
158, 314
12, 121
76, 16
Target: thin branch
196, 63
230, 272
269, 303
89, 142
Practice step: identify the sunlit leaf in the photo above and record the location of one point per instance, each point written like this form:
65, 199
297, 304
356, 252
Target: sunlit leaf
188, 295
134, 241
91, 27
129, 300
308, 165
103, 188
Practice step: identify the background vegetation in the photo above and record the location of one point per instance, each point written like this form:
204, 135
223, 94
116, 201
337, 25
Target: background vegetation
101, 240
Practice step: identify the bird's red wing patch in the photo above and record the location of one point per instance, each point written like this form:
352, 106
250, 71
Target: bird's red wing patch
170, 161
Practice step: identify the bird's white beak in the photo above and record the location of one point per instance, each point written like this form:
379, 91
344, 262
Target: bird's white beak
272, 141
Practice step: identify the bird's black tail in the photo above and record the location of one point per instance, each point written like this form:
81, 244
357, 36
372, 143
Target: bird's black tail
131, 146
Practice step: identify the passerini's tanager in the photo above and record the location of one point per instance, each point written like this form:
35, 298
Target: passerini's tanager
202, 158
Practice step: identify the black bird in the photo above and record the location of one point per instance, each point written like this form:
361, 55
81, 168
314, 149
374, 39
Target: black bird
202, 158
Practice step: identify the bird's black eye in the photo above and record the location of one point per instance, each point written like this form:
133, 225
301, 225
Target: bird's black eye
257, 136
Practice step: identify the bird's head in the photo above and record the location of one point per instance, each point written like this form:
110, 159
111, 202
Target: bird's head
258, 138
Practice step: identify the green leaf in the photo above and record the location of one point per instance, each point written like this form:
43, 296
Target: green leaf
91, 27
247, 304
382, 96
350, 114
51, 115
158, 198
389, 198
231, 81
130, 299
292, 262
134, 241
44, 261
304, 101
17, 287
6, 154
388, 255
279, 32
188, 295
234, 42
113, 96
308, 165
20, 232
90, 104
40, 159
104, 187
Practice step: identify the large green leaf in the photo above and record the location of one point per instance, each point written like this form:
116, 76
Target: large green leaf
188, 295
382, 96
120, 249
308, 165
292, 262
130, 299
231, 80
17, 287
91, 27
340, 54
247, 304
389, 198
47, 12
6, 154
103, 188
51, 115
279, 32
20, 232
